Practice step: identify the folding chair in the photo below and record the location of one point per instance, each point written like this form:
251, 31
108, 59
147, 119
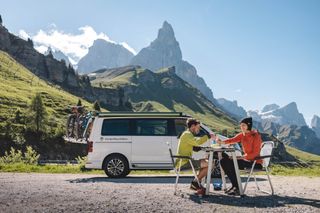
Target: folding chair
265, 155
177, 171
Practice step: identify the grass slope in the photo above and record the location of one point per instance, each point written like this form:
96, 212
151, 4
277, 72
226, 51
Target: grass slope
304, 156
19, 86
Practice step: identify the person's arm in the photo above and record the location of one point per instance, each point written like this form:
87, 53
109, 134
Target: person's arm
235, 139
195, 141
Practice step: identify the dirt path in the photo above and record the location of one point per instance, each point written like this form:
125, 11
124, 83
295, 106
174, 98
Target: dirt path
23, 192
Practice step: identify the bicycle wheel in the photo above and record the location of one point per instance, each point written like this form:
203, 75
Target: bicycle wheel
71, 126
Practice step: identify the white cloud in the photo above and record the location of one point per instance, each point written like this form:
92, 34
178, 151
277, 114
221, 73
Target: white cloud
23, 34
125, 45
75, 46
238, 90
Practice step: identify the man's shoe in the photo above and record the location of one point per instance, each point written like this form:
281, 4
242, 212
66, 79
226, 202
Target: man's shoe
229, 189
234, 192
195, 185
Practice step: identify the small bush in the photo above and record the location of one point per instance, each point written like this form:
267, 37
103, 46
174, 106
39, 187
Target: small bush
15, 156
30, 156
82, 162
12, 157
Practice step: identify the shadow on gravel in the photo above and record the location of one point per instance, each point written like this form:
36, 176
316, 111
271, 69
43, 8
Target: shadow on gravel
143, 180
259, 201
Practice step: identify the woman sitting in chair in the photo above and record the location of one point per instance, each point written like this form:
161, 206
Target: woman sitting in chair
251, 145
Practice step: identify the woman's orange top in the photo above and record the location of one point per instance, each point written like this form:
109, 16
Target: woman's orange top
251, 144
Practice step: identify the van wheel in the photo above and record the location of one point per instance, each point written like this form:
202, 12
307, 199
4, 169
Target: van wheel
116, 166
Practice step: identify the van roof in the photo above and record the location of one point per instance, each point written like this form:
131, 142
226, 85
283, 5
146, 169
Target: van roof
142, 114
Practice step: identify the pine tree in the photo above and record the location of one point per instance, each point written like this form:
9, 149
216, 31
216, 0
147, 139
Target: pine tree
38, 113
79, 103
96, 106
18, 116
0, 20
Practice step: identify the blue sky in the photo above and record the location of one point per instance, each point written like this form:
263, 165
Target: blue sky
255, 52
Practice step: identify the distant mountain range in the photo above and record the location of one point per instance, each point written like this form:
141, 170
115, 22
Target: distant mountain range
286, 115
163, 52
286, 122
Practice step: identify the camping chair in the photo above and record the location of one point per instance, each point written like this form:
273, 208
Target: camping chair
179, 159
265, 155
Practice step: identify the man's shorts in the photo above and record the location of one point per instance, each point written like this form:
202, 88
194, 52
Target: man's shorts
197, 164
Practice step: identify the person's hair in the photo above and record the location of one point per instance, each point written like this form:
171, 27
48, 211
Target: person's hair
192, 121
247, 121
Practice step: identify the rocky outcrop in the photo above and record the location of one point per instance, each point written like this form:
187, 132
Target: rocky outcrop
232, 108
301, 137
57, 54
43, 66
56, 72
165, 51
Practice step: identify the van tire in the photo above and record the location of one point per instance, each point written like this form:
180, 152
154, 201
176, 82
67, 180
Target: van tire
116, 166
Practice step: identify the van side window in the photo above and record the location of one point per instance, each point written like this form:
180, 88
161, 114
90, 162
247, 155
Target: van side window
180, 125
115, 127
152, 127
202, 132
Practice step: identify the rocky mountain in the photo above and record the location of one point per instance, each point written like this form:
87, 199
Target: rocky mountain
104, 54
286, 115
162, 90
315, 125
57, 54
270, 107
301, 137
58, 73
232, 108
165, 51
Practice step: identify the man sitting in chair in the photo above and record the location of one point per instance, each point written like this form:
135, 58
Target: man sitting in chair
251, 145
187, 141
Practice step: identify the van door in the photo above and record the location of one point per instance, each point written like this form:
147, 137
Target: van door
115, 137
149, 143
180, 127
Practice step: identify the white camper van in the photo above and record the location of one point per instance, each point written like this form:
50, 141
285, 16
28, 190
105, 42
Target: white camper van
124, 141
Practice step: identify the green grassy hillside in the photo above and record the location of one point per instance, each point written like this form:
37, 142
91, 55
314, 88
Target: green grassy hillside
163, 91
304, 156
18, 86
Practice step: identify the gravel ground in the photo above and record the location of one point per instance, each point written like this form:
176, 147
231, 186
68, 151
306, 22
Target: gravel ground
30, 192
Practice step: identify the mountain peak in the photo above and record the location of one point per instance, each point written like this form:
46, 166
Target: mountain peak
270, 107
166, 32
104, 54
315, 122
292, 105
